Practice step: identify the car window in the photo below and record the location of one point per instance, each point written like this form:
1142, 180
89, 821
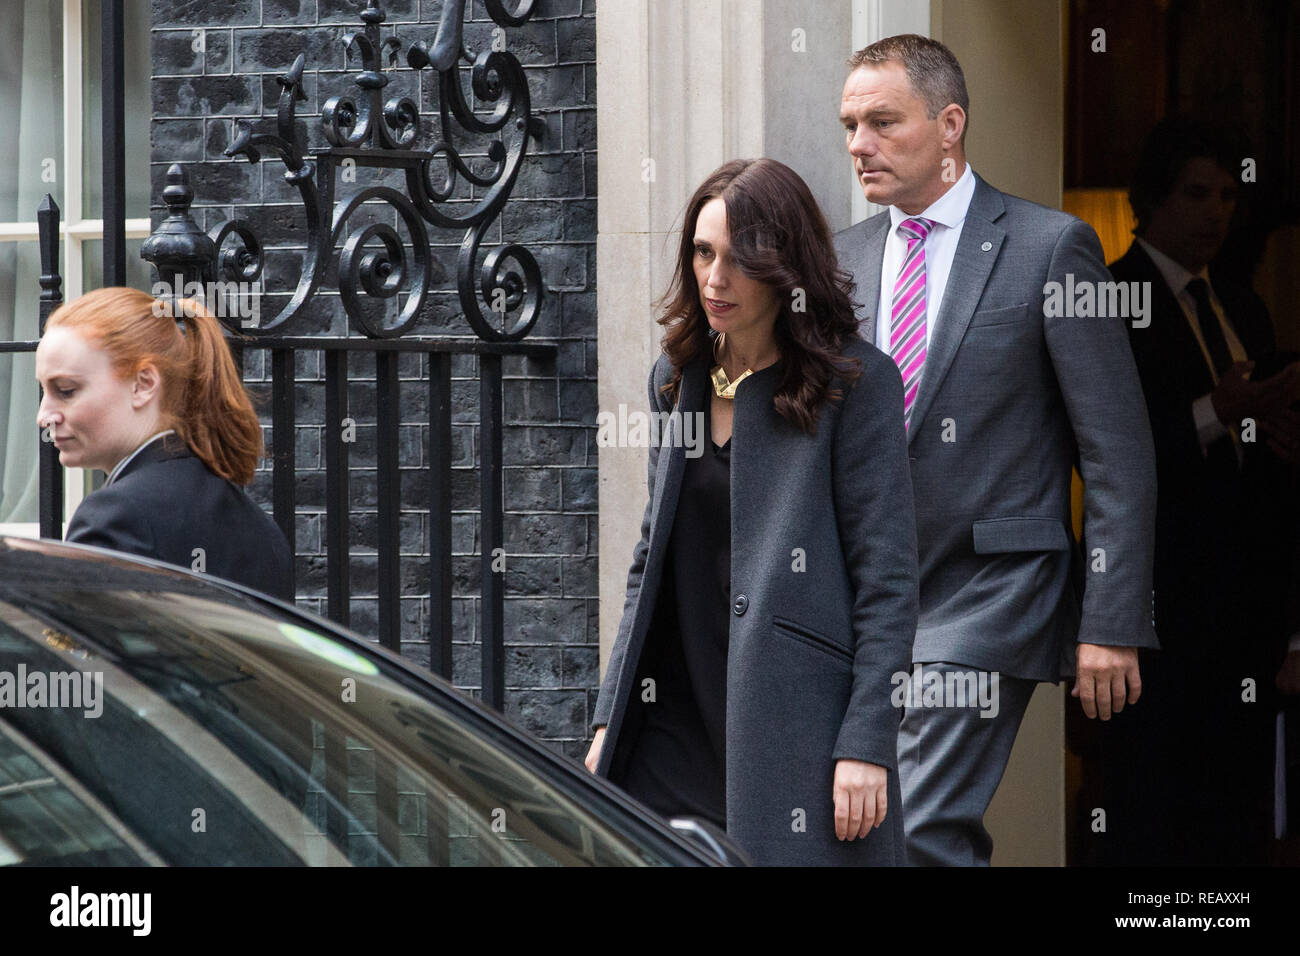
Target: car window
188, 730
45, 815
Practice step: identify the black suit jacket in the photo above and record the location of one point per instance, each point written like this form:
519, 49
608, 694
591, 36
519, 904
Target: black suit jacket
166, 503
1224, 533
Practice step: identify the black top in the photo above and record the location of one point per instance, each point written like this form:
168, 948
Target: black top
678, 767
166, 503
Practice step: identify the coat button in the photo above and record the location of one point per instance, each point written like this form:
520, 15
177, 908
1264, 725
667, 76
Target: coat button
740, 604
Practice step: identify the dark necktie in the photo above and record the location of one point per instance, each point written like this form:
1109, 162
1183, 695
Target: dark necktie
1211, 330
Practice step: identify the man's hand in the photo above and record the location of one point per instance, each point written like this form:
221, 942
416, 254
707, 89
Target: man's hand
1236, 397
1107, 679
860, 800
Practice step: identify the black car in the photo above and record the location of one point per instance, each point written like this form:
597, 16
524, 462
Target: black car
152, 716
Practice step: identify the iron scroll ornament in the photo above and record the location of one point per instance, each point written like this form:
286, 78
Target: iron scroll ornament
374, 263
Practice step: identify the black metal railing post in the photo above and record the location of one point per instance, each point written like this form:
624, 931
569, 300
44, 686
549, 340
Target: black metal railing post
283, 452
336, 438
112, 88
388, 537
493, 559
49, 477
439, 454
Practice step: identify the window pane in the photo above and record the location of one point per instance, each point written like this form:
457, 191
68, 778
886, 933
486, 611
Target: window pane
139, 273
31, 101
20, 293
43, 822
135, 80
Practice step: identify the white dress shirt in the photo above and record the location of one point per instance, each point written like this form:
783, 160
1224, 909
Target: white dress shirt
117, 469
948, 213
1208, 427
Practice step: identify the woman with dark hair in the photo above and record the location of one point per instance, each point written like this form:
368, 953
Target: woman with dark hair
155, 401
772, 599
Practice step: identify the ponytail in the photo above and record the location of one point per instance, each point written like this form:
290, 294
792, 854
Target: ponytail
217, 419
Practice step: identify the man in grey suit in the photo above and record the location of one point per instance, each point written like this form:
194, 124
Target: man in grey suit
988, 304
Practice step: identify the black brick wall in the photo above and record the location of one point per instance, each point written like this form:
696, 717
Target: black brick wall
550, 407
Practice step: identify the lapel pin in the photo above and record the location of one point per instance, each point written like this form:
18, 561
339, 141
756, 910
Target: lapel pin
986, 247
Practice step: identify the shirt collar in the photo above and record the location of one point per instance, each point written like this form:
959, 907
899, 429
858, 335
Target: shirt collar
117, 469
1173, 273
949, 209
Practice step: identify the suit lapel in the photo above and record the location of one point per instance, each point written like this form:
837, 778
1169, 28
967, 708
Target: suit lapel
672, 453
865, 265
972, 265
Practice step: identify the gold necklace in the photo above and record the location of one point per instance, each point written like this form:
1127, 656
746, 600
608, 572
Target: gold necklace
722, 386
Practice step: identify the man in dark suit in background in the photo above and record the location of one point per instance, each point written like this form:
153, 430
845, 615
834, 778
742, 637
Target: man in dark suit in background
1003, 395
1188, 776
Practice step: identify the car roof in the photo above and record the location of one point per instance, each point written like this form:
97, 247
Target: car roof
40, 563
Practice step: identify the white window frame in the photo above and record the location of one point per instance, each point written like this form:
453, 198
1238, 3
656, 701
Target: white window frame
73, 229
874, 20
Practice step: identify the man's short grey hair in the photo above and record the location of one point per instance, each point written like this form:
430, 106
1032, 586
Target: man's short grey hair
931, 68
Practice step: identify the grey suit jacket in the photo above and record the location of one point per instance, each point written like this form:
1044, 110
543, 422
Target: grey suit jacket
815, 638
1009, 400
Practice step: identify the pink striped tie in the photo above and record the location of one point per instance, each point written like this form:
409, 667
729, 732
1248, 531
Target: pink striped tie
907, 316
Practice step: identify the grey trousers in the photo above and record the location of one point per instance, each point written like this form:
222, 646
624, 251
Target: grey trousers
951, 759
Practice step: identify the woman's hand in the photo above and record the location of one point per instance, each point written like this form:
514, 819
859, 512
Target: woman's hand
593, 755
860, 800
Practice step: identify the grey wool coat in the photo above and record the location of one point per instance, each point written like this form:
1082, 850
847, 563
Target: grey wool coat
815, 641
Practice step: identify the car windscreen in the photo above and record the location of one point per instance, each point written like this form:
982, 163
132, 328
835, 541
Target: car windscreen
166, 726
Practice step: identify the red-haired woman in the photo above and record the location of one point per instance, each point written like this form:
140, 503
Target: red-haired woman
772, 599
155, 401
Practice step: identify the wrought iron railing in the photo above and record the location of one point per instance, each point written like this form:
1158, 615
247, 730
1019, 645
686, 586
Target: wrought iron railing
383, 283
